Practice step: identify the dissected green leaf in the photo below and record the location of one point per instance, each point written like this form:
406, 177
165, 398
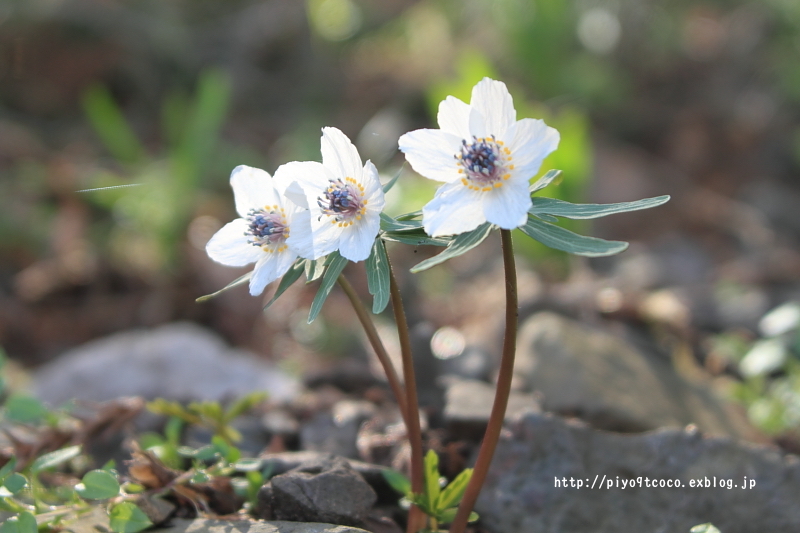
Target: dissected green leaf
24, 522
24, 409
241, 280
98, 485
397, 481
335, 265
550, 206
562, 239
15, 483
454, 491
432, 487
128, 518
545, 180
378, 276
292, 275
56, 458
460, 245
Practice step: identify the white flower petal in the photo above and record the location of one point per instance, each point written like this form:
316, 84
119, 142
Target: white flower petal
453, 117
356, 241
252, 188
373, 190
229, 245
530, 141
431, 153
493, 101
339, 155
508, 205
269, 268
454, 209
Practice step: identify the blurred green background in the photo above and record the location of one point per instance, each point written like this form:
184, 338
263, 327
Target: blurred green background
697, 99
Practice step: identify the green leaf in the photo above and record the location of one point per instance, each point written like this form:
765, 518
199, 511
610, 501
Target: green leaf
24, 522
559, 208
56, 458
460, 245
8, 467
432, 487
704, 528
247, 465
397, 481
241, 280
335, 265
315, 268
390, 224
98, 485
128, 518
449, 515
24, 409
562, 239
391, 182
15, 483
452, 494
244, 404
378, 276
292, 275
110, 125
409, 216
415, 238
545, 180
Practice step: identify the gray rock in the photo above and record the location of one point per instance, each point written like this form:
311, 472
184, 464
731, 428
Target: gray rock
178, 361
586, 372
330, 491
468, 405
337, 432
521, 492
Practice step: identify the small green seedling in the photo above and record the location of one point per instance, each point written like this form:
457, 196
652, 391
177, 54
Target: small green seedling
704, 528
440, 504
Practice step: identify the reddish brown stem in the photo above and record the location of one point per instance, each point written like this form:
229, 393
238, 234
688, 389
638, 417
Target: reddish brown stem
377, 345
416, 519
495, 425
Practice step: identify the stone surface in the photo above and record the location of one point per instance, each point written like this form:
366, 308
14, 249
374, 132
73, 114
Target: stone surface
521, 495
97, 521
330, 491
337, 432
179, 361
468, 404
591, 374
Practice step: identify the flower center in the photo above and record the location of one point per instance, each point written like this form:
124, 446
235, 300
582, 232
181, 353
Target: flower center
343, 201
267, 228
484, 163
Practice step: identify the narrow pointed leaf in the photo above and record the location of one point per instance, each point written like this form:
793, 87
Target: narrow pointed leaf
545, 180
241, 280
128, 518
452, 493
335, 265
559, 208
415, 238
460, 245
449, 515
315, 268
292, 275
378, 276
432, 488
409, 216
397, 481
390, 224
391, 182
98, 485
562, 239
53, 459
545, 217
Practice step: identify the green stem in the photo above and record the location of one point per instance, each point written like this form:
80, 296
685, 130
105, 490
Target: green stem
377, 346
416, 519
495, 425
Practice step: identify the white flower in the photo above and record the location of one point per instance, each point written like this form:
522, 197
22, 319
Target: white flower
484, 156
344, 200
260, 235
